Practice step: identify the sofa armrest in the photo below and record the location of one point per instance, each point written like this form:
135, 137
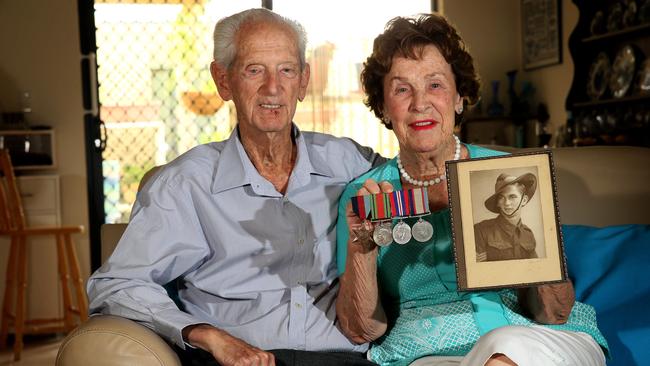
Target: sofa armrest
112, 340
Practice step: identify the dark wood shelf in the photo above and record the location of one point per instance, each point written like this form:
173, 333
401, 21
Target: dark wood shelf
630, 31
584, 48
609, 101
485, 118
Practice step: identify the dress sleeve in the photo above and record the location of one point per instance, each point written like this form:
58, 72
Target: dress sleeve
342, 232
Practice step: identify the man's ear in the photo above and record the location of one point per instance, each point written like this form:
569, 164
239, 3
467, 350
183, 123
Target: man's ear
524, 200
220, 77
304, 82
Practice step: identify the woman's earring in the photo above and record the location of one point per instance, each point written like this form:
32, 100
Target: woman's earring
460, 109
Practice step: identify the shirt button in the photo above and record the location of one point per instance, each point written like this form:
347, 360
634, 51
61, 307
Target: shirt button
301, 241
298, 305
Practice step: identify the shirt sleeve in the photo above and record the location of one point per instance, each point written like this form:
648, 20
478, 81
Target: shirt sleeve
368, 155
163, 241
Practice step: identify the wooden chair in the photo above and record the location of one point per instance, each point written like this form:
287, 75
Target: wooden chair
13, 225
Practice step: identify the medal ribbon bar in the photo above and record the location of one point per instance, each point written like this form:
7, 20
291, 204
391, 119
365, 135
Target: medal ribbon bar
396, 204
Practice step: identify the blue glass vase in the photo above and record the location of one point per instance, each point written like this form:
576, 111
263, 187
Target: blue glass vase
495, 108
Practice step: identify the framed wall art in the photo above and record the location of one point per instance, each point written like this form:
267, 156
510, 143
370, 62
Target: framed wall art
505, 221
541, 32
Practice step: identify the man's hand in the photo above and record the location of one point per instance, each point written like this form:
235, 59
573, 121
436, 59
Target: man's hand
226, 349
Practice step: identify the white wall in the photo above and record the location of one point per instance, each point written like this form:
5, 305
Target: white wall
492, 30
553, 82
39, 53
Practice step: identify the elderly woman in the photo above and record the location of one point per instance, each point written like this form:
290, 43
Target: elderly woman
404, 297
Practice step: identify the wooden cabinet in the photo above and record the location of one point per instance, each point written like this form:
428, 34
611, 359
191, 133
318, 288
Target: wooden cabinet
602, 109
40, 195
30, 149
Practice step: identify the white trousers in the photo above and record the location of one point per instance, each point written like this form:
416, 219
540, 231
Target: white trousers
527, 346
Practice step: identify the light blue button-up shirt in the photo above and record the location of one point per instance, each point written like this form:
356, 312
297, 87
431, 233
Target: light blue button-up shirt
251, 260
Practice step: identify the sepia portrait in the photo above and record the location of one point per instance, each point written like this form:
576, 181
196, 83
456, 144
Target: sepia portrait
507, 215
505, 221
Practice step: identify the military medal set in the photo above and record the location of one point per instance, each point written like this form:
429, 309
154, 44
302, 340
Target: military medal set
383, 208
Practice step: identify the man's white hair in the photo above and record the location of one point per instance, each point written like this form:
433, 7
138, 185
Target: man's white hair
226, 29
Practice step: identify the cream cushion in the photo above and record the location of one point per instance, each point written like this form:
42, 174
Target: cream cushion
110, 340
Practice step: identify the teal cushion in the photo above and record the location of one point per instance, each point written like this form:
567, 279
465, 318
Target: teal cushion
609, 268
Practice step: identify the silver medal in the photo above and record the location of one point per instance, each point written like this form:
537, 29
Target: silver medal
382, 234
422, 231
402, 233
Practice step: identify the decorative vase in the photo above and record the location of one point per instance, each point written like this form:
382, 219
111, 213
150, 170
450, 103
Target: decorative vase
512, 94
495, 108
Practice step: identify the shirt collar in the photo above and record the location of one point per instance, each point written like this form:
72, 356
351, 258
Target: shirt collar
506, 226
230, 171
309, 161
236, 170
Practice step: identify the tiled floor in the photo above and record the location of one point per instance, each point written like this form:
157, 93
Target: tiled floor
36, 353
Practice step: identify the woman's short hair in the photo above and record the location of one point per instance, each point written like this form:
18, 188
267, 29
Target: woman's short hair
226, 29
406, 37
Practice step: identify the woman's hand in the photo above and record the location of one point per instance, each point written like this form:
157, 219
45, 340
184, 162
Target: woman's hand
548, 304
361, 229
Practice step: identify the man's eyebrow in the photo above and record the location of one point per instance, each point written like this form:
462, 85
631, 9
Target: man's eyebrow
252, 64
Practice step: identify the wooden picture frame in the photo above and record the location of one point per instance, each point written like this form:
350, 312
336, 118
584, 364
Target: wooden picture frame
541, 33
487, 256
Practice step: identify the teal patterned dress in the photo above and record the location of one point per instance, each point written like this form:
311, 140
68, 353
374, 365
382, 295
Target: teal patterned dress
426, 315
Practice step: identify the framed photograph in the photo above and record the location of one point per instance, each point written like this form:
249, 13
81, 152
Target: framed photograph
541, 33
505, 221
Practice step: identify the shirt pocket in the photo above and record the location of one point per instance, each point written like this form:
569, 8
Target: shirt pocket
527, 242
499, 244
240, 310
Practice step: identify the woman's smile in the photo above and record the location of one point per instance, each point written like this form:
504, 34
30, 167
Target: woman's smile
425, 124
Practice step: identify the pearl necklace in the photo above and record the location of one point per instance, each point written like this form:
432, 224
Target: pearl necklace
431, 182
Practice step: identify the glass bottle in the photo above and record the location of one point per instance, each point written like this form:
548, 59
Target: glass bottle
26, 103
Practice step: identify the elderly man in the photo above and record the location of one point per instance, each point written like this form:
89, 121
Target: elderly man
246, 224
505, 237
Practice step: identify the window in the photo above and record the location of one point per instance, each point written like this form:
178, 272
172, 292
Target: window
340, 36
158, 99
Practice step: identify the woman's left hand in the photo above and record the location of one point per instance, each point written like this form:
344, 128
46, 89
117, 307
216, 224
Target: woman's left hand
550, 303
361, 230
